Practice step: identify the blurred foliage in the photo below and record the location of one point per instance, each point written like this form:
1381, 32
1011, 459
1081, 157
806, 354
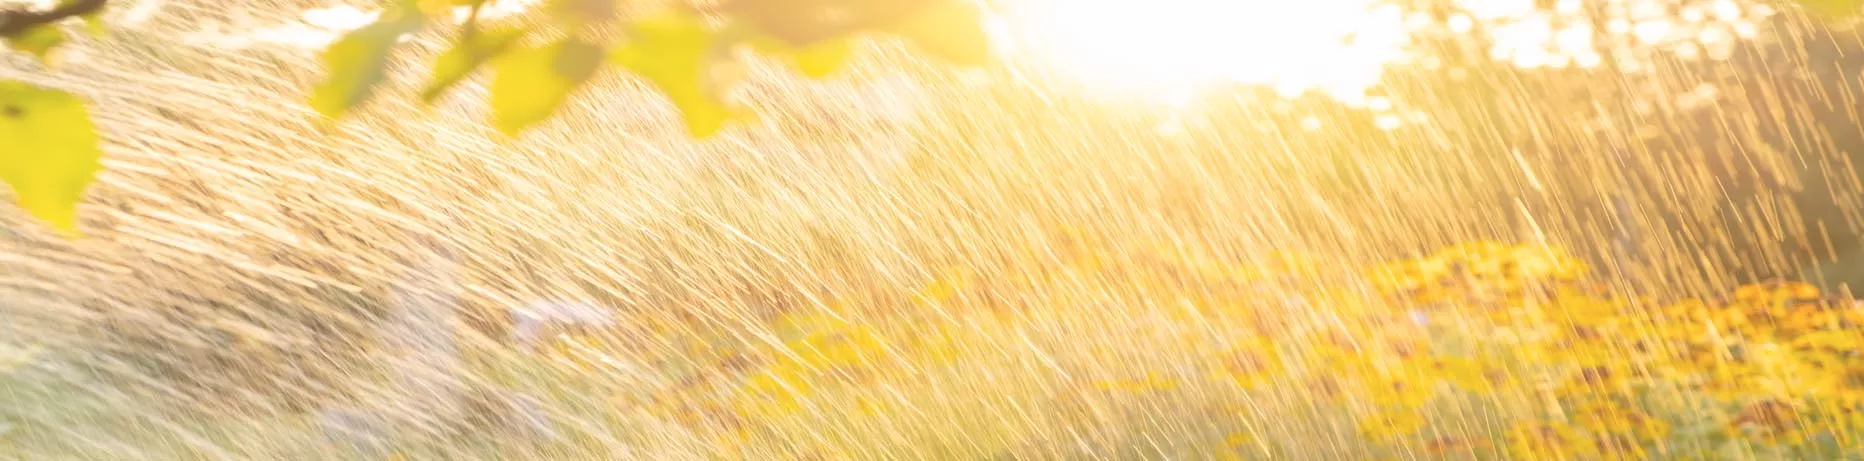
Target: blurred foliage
1619, 377
681, 48
1478, 351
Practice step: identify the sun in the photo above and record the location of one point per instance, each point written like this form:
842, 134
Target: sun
1170, 48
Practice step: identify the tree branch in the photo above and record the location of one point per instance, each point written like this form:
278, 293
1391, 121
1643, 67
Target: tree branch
15, 22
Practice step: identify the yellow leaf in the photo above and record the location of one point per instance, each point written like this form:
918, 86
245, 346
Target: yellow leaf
48, 151
815, 61
952, 30
675, 52
93, 21
40, 41
465, 57
355, 64
530, 84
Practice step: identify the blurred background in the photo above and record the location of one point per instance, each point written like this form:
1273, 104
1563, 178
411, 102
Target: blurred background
238, 261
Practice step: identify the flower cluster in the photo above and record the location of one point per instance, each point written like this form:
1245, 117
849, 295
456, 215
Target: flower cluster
1773, 366
1482, 350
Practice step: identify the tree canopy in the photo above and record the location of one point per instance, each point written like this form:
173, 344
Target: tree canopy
49, 150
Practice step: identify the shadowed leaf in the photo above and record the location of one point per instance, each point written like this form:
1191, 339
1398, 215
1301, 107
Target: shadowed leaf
41, 41
465, 57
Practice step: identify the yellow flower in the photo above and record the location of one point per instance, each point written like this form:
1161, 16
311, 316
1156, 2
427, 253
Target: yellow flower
948, 285
1466, 374
1619, 419
1805, 319
1454, 446
1726, 381
1399, 390
1689, 310
777, 390
1239, 439
828, 353
1152, 382
1602, 377
1842, 385
1850, 316
1619, 446
1585, 311
1775, 300
1846, 423
1328, 387
1391, 423
1800, 291
1254, 363
1840, 340
1539, 440
1770, 420
1751, 292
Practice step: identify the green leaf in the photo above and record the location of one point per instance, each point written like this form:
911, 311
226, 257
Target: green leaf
953, 30
94, 23
41, 41
815, 61
465, 57
48, 151
355, 64
676, 52
529, 84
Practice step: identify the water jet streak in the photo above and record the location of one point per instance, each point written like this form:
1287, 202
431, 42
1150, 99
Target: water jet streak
1258, 228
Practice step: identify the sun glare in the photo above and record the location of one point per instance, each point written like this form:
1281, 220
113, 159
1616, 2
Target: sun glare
1173, 47
1170, 50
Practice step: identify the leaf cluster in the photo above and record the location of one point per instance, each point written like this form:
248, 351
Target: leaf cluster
537, 65
50, 151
